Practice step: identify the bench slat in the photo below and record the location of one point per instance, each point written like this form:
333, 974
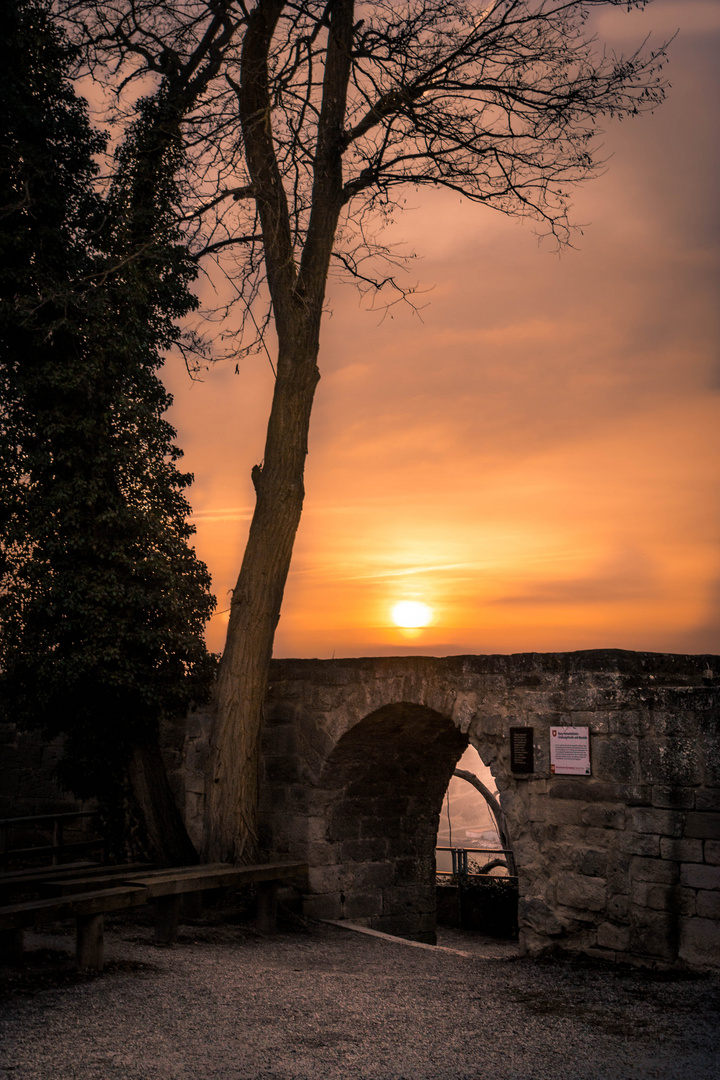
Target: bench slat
193, 879
9, 877
18, 916
97, 878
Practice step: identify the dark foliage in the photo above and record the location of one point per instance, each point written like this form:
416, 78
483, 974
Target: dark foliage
103, 601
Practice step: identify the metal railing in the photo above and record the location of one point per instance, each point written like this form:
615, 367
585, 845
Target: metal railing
460, 866
56, 850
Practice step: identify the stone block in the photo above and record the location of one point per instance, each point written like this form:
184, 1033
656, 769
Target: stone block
700, 876
700, 942
281, 769
563, 813
604, 816
347, 828
392, 828
318, 830
673, 797
525, 849
360, 851
618, 871
711, 759
618, 907
576, 891
362, 905
589, 862
408, 871
536, 808
611, 936
626, 722
426, 922
703, 825
322, 906
712, 852
582, 698
651, 895
670, 762
397, 925
661, 871
615, 759
640, 844
326, 879
663, 822
669, 722
707, 904
320, 854
681, 849
401, 899
576, 919
654, 933
597, 721
686, 901
566, 834
707, 798
534, 913
373, 874
592, 791
601, 838
491, 724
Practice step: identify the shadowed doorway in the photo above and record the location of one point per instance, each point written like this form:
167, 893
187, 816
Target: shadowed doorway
376, 808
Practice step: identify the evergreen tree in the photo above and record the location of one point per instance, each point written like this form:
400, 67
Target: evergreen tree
103, 601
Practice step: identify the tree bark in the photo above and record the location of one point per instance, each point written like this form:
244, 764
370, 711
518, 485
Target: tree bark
254, 612
168, 840
298, 295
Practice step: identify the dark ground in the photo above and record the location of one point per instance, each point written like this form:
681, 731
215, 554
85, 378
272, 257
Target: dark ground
321, 1002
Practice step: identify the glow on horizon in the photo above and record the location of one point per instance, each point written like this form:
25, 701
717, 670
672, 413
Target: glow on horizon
411, 614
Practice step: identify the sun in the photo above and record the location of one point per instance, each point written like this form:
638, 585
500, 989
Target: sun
411, 614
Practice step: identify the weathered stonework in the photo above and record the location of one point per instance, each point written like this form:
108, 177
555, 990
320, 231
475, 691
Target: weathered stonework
624, 863
358, 754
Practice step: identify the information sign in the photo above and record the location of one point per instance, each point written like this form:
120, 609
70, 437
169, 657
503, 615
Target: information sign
570, 751
521, 749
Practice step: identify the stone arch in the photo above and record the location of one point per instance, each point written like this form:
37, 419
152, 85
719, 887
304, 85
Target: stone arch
376, 806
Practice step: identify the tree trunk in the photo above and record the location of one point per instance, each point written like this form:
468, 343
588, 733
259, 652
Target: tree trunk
297, 295
169, 843
231, 801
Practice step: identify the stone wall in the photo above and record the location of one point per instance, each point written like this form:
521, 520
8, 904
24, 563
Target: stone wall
624, 863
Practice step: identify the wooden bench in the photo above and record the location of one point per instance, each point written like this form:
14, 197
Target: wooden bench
30, 879
68, 882
166, 887
87, 901
88, 909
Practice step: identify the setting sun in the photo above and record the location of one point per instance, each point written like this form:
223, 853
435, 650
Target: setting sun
411, 614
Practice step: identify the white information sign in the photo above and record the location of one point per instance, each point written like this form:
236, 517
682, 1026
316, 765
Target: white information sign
570, 751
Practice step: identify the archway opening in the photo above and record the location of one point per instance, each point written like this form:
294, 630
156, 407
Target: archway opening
477, 886
375, 812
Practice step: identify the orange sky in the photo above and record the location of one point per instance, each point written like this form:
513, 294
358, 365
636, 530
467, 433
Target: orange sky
537, 456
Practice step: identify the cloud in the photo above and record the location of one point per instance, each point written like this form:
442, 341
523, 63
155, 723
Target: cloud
663, 18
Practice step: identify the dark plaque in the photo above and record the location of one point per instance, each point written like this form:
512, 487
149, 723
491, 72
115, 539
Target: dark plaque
521, 749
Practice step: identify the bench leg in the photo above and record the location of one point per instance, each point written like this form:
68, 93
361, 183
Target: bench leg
266, 917
90, 945
192, 905
12, 946
167, 918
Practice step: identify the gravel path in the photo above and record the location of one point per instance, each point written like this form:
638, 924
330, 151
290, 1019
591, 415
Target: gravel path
329, 1004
